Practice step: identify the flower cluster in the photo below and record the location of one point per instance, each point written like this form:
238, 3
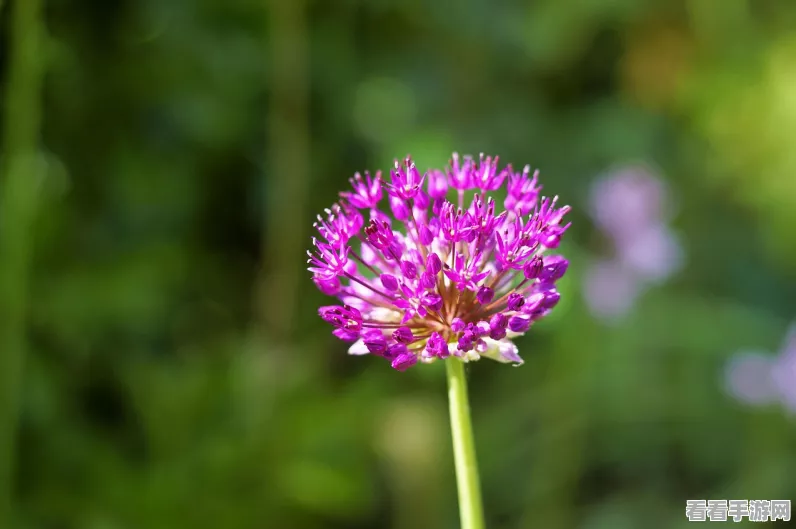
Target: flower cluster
630, 206
439, 278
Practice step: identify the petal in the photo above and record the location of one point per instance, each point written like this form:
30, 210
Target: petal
451, 274
384, 314
345, 335
509, 352
503, 351
359, 348
471, 356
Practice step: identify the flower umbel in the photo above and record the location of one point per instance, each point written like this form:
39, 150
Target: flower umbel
439, 278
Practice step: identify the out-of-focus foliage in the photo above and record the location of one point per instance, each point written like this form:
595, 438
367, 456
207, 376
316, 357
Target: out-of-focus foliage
158, 394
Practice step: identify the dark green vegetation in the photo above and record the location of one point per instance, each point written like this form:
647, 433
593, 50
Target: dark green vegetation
176, 374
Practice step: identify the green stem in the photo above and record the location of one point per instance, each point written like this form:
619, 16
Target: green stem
471, 511
19, 183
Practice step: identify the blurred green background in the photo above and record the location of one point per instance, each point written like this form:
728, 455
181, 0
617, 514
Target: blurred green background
175, 371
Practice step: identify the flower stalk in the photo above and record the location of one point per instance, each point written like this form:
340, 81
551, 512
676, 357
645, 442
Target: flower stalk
471, 510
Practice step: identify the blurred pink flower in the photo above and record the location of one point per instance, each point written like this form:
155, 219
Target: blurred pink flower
610, 291
653, 255
784, 371
627, 201
630, 206
759, 379
749, 378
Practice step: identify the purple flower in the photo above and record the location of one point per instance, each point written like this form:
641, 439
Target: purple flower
554, 268
534, 267
433, 264
455, 224
406, 180
395, 350
522, 192
375, 341
400, 208
381, 237
408, 269
460, 175
517, 242
466, 274
428, 280
485, 295
437, 346
628, 200
389, 282
403, 335
437, 184
330, 287
404, 361
467, 340
345, 335
432, 301
367, 193
486, 176
458, 276
610, 290
749, 378
497, 326
340, 224
345, 317
482, 215
761, 379
329, 262
630, 207
458, 325
515, 301
422, 201
533, 303
653, 255
547, 221
519, 323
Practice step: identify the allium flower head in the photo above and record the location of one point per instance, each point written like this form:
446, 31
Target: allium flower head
439, 277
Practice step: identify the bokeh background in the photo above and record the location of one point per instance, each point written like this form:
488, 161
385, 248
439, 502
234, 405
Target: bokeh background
163, 365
